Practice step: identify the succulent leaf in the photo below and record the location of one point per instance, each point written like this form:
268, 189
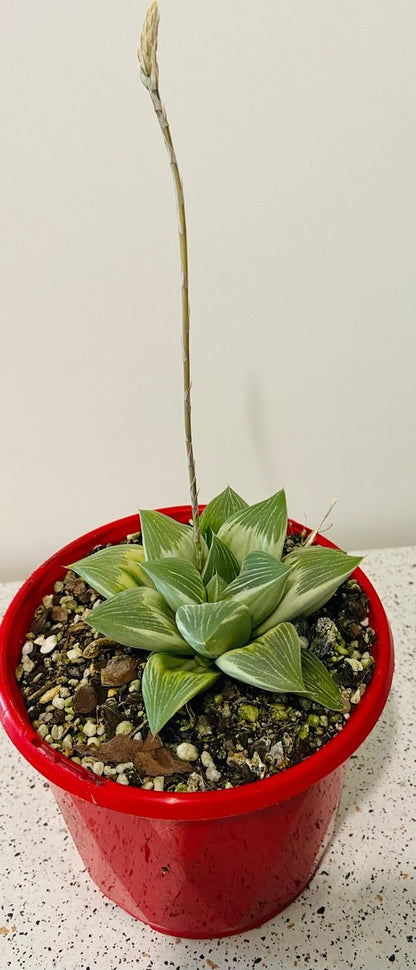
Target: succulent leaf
319, 685
213, 628
258, 528
220, 509
168, 683
272, 662
111, 570
316, 573
259, 585
139, 618
164, 537
215, 587
221, 561
177, 580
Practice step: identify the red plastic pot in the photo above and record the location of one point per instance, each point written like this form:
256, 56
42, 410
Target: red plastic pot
199, 864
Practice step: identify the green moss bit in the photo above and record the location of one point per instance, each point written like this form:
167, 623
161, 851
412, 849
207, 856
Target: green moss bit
247, 712
279, 712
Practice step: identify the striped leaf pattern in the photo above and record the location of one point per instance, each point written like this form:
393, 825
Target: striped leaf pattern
259, 585
214, 588
139, 618
272, 662
213, 628
220, 561
316, 574
178, 581
168, 683
319, 685
258, 528
220, 509
163, 536
111, 570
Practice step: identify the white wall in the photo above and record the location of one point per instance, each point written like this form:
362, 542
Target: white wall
294, 126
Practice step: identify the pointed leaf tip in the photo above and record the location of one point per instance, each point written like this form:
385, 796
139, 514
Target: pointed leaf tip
168, 684
257, 528
113, 569
224, 505
164, 537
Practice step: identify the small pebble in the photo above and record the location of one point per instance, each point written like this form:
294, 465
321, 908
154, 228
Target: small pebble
90, 729
98, 767
42, 730
195, 782
148, 785
27, 665
135, 685
212, 774
57, 732
122, 780
74, 654
120, 769
124, 727
207, 760
158, 783
49, 644
187, 752
27, 648
58, 702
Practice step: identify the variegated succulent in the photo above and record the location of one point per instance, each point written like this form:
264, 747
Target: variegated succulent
233, 616
218, 598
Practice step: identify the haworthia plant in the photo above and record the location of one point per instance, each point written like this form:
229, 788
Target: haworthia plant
233, 616
218, 598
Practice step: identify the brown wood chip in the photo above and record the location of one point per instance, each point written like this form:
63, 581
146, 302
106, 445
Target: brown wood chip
153, 759
119, 670
150, 757
118, 750
85, 700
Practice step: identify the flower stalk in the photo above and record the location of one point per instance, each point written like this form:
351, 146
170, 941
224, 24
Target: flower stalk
149, 74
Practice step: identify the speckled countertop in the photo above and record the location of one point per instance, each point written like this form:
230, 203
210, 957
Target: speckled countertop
359, 911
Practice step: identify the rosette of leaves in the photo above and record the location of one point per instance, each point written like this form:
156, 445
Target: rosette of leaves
233, 617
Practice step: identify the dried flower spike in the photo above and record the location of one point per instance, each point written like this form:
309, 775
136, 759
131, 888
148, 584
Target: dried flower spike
150, 77
148, 48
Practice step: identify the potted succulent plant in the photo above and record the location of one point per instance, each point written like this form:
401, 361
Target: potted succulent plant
192, 683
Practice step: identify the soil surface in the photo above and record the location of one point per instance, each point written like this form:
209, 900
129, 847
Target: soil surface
83, 696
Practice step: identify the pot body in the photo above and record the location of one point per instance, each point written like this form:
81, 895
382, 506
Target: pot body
192, 864
211, 877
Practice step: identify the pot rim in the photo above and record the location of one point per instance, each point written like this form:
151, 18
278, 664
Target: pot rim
185, 806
